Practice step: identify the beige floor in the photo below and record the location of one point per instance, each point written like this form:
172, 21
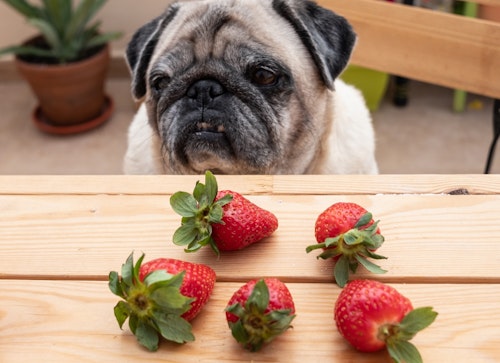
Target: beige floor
425, 137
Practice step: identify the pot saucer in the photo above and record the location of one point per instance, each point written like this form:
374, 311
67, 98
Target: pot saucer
44, 125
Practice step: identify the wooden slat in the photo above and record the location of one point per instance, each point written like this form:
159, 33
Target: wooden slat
429, 46
68, 322
251, 184
428, 237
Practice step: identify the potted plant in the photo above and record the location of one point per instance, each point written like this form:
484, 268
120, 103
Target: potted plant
66, 64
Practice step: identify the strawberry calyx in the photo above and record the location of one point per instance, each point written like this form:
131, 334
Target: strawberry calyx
153, 306
255, 325
352, 248
397, 336
199, 211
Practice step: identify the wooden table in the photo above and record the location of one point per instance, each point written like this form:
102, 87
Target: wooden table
61, 235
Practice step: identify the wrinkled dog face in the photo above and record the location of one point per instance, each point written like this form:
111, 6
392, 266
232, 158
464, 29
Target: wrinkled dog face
230, 86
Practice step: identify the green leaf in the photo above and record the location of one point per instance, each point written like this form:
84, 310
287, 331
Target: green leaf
49, 33
239, 332
341, 271
128, 270
58, 12
236, 309
332, 241
184, 204
133, 321
259, 296
160, 278
185, 234
216, 213
404, 352
25, 8
364, 220
174, 328
199, 191
211, 187
147, 335
137, 268
370, 266
101, 39
224, 200
122, 312
374, 255
417, 320
353, 237
80, 17
114, 284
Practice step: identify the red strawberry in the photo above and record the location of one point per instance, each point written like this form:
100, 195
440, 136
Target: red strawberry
347, 233
244, 223
198, 282
371, 315
260, 311
224, 220
160, 297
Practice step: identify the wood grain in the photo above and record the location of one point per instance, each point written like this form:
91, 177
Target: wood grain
251, 184
60, 321
430, 46
428, 237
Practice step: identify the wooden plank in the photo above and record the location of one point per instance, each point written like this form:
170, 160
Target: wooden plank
428, 237
429, 46
251, 184
68, 322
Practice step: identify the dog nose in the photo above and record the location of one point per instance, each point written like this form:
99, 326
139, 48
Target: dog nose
205, 90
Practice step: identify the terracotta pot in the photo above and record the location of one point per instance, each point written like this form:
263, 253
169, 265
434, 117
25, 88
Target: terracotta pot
489, 12
69, 93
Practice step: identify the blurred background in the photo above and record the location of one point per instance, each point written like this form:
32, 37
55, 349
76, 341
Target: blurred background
424, 133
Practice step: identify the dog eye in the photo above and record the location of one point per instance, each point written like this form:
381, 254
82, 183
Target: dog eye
263, 77
159, 83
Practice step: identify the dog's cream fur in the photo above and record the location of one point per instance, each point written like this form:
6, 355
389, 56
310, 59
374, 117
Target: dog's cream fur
349, 149
342, 138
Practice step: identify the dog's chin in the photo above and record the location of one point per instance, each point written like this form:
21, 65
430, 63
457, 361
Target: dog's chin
205, 150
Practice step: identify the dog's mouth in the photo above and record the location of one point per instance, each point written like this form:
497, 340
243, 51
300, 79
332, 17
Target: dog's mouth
207, 145
205, 130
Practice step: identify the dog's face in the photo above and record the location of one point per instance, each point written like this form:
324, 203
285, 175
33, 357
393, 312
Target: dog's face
239, 86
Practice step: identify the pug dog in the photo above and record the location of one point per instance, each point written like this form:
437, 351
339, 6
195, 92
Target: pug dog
246, 87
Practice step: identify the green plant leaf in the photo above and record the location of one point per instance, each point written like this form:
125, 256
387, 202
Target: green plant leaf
415, 321
80, 17
184, 204
114, 284
364, 220
25, 8
128, 270
185, 234
58, 13
122, 312
49, 33
174, 328
101, 39
211, 187
27, 50
404, 352
341, 271
147, 335
259, 296
370, 266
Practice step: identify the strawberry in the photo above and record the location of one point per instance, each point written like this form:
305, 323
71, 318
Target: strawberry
259, 311
225, 220
160, 297
371, 316
347, 233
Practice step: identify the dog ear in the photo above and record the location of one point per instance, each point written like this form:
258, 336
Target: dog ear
328, 36
141, 48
